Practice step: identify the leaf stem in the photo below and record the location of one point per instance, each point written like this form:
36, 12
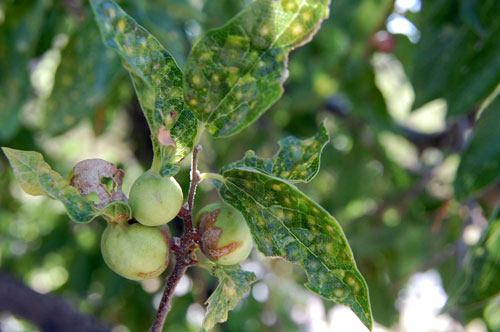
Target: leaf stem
213, 176
184, 256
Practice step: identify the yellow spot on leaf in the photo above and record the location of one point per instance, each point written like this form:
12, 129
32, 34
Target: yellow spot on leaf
121, 26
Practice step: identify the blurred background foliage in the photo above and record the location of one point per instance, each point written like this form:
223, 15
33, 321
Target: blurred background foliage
412, 173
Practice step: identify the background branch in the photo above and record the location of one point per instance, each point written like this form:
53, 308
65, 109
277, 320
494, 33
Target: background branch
47, 312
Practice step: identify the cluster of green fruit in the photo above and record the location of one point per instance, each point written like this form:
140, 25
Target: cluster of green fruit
140, 251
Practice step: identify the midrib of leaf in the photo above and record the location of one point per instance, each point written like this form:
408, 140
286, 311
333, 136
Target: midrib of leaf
255, 63
288, 229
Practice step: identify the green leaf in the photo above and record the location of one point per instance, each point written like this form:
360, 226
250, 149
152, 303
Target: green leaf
481, 275
233, 283
286, 223
37, 178
479, 166
84, 80
465, 65
158, 83
236, 72
296, 161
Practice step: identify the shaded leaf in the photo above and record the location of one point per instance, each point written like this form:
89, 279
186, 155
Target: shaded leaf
233, 284
480, 166
481, 275
465, 65
297, 160
157, 80
83, 82
235, 73
286, 223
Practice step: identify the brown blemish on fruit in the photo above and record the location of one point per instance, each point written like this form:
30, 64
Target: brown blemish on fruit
210, 235
152, 273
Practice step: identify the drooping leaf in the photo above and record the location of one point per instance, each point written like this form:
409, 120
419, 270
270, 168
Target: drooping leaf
481, 275
480, 163
83, 82
158, 83
37, 178
236, 72
286, 223
296, 161
465, 64
233, 284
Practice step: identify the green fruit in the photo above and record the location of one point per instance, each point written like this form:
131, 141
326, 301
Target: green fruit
135, 251
155, 200
225, 236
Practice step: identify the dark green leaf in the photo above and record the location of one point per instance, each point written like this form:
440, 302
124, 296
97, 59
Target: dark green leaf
480, 166
235, 73
158, 83
286, 223
296, 161
465, 65
84, 80
481, 275
233, 284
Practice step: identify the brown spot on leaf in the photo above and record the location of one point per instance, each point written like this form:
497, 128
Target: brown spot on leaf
210, 235
87, 178
164, 137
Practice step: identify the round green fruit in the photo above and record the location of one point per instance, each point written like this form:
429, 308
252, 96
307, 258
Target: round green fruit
225, 236
155, 200
135, 251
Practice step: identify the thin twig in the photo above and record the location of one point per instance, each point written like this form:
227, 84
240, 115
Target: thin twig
183, 252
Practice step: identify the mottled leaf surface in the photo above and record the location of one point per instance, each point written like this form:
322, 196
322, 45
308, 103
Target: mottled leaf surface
296, 161
158, 83
286, 223
37, 178
236, 72
84, 80
481, 276
233, 284
480, 163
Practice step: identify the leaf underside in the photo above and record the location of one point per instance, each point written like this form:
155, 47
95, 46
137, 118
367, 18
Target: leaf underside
233, 284
236, 72
287, 224
157, 81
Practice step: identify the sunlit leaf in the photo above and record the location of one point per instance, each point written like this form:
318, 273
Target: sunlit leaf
233, 284
297, 160
286, 223
158, 83
37, 178
480, 166
236, 72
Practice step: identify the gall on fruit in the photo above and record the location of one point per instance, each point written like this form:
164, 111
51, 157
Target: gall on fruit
225, 236
155, 200
135, 251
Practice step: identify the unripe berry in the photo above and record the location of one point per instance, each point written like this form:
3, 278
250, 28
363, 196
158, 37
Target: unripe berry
135, 251
225, 236
155, 200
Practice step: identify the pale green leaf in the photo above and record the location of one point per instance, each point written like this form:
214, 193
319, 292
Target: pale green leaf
37, 178
296, 161
158, 83
286, 223
236, 72
233, 284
